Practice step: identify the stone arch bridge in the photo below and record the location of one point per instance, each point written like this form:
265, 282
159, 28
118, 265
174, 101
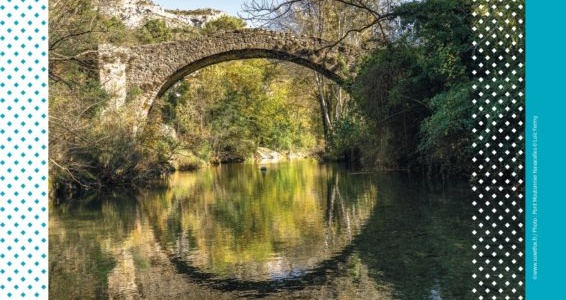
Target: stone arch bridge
150, 70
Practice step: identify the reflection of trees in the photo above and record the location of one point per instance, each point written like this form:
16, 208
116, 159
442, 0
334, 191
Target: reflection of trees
418, 241
344, 217
77, 265
82, 238
236, 222
120, 258
410, 247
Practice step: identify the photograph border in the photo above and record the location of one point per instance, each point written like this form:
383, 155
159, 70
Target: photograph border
24, 156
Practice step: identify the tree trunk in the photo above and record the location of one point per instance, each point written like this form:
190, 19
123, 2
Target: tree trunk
324, 111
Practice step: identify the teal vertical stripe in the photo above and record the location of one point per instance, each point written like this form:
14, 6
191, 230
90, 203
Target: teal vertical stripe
545, 120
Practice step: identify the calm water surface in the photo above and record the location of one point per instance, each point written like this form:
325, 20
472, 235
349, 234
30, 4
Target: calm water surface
297, 231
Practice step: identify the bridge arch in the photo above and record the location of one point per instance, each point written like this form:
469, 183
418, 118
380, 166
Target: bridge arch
153, 69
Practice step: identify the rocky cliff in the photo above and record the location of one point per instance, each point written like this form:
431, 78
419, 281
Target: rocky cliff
135, 13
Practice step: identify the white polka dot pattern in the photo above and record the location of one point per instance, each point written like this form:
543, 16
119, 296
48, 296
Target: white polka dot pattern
499, 149
23, 149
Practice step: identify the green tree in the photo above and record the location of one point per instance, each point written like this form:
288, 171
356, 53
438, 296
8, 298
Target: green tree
228, 110
224, 23
366, 24
416, 91
155, 31
88, 146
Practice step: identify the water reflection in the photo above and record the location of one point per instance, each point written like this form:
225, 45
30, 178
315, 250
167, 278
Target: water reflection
301, 231
235, 222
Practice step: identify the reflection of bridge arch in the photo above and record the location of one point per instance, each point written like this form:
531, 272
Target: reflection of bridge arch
152, 69
312, 277
344, 213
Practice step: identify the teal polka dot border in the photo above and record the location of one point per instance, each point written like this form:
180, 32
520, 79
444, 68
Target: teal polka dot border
23, 149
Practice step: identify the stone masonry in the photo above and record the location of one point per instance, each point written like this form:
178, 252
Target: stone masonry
152, 69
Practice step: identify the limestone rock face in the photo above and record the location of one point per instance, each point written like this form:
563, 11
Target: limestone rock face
135, 13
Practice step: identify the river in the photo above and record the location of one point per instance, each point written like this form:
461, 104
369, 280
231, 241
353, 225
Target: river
297, 230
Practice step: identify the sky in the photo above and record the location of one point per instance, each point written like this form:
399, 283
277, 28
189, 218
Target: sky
232, 7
